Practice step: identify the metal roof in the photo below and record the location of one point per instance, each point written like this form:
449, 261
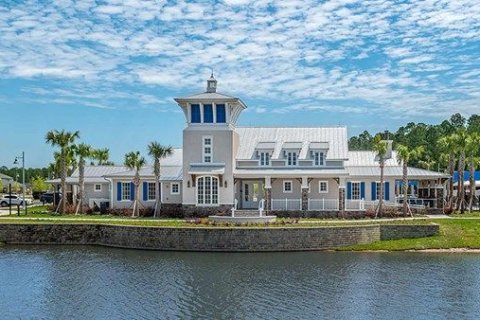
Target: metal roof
368, 158
166, 173
250, 137
207, 96
288, 172
393, 171
4, 176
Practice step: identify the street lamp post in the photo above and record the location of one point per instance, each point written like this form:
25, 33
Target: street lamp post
23, 178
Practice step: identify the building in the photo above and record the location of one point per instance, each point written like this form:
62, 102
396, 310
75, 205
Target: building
222, 165
6, 181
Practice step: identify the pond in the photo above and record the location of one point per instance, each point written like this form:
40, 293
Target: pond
75, 282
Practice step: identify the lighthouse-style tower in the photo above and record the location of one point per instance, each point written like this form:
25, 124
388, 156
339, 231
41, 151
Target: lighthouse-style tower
209, 147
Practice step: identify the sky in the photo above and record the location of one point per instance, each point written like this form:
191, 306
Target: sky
111, 69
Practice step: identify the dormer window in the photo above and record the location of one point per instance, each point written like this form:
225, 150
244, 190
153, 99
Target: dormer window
318, 158
264, 158
291, 158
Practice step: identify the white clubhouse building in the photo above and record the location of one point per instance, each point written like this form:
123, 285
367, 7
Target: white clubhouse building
307, 169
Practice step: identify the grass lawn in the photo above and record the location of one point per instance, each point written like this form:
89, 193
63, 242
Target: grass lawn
454, 233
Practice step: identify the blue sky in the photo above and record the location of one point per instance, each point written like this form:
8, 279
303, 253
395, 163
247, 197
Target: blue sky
110, 69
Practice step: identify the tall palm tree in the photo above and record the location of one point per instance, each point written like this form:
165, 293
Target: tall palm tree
158, 152
473, 152
448, 146
460, 138
64, 140
404, 155
102, 155
134, 161
83, 151
380, 146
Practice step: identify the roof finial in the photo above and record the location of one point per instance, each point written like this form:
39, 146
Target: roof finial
212, 83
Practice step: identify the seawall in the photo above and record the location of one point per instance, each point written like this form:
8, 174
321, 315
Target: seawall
210, 239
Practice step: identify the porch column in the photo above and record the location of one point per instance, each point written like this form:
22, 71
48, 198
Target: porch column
268, 194
304, 193
341, 195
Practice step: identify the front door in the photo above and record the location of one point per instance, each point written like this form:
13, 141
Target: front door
252, 194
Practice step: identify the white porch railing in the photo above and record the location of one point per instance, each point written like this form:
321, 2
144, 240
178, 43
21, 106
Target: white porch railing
323, 204
286, 204
261, 207
360, 205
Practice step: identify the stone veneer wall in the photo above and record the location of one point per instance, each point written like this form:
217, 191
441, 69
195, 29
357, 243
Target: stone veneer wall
208, 239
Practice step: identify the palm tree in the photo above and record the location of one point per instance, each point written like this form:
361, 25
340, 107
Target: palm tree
460, 138
158, 152
83, 151
64, 140
473, 149
102, 155
134, 161
380, 146
404, 155
448, 146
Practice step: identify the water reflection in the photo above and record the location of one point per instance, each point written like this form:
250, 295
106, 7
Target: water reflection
62, 282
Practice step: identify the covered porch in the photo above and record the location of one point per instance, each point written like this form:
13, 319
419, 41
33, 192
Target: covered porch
290, 192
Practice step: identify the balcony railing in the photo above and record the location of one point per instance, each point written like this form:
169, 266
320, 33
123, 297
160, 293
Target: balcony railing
286, 204
323, 204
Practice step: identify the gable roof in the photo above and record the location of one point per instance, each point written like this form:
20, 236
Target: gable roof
250, 137
5, 177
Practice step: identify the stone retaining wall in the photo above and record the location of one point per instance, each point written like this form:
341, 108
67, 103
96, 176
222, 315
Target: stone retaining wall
208, 239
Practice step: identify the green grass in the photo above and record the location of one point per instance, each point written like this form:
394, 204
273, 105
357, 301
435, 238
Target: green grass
473, 214
454, 233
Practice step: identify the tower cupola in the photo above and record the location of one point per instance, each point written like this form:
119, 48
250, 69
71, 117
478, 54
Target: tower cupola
212, 84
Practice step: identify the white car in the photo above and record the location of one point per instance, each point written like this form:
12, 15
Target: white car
14, 200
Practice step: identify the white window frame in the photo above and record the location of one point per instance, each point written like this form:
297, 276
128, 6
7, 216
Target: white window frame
291, 186
95, 187
359, 190
178, 188
292, 158
265, 158
211, 203
149, 185
377, 186
204, 146
124, 183
317, 156
320, 188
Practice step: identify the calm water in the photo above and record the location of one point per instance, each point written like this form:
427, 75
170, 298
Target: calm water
62, 282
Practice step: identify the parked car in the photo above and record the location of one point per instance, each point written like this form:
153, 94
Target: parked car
13, 199
49, 197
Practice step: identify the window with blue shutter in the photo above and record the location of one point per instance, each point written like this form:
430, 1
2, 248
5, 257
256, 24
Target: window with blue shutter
207, 113
195, 111
349, 190
119, 191
374, 191
145, 191
132, 191
362, 190
221, 116
387, 191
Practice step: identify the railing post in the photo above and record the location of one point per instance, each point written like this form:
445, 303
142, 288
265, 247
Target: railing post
286, 204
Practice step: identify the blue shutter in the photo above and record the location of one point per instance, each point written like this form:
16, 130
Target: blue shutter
362, 190
132, 191
387, 191
374, 191
221, 117
119, 191
349, 190
195, 112
145, 191
207, 113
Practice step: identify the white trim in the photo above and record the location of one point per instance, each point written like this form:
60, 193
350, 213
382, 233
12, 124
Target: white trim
95, 187
171, 187
291, 186
359, 190
320, 189
148, 191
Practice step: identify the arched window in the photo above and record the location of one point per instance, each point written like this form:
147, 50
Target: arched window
207, 190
